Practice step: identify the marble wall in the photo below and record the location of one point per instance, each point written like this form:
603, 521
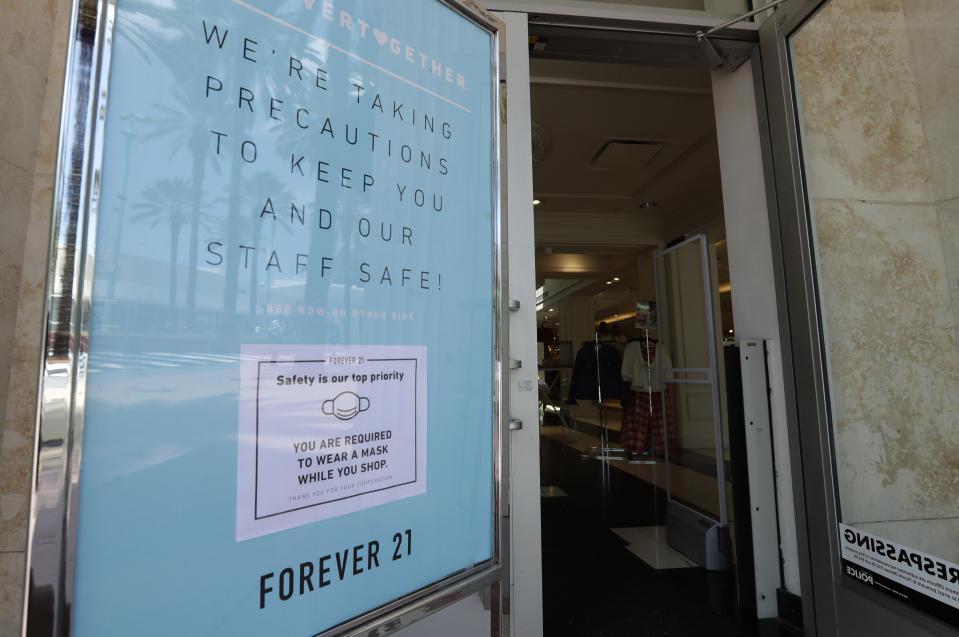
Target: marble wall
881, 140
32, 56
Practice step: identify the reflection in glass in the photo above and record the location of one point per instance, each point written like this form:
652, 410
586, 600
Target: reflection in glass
880, 141
239, 213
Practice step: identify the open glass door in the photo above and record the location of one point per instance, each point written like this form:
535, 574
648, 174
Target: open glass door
861, 99
688, 409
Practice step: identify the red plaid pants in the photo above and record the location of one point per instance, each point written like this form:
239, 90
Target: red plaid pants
645, 413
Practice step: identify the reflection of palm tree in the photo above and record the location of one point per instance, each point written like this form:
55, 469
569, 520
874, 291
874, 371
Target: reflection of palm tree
292, 141
262, 184
254, 194
137, 23
168, 201
128, 134
187, 125
178, 118
182, 123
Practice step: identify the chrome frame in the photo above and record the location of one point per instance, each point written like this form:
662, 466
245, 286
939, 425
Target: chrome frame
52, 533
712, 376
832, 603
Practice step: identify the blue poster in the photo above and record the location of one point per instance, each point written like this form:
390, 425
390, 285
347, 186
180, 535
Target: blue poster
289, 402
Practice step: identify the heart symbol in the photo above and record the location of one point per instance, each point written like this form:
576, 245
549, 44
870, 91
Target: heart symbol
380, 36
309, 4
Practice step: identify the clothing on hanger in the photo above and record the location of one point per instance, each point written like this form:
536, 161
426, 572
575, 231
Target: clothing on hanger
650, 399
645, 415
641, 368
590, 375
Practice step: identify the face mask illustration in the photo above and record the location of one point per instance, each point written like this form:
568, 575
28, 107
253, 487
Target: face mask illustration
346, 405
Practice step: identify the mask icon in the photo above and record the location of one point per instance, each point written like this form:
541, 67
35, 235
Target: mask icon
346, 405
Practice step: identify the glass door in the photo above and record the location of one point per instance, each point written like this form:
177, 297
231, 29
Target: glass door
862, 100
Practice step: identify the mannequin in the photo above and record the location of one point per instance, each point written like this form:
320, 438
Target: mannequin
643, 361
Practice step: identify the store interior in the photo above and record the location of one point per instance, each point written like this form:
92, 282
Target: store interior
637, 469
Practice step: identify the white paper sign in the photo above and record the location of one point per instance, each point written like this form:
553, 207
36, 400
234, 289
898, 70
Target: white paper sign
327, 430
900, 570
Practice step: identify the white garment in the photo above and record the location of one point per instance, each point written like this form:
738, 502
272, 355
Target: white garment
642, 374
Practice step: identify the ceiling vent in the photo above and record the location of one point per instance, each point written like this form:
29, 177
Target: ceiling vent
624, 154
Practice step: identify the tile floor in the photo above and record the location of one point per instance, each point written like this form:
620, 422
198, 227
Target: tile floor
605, 571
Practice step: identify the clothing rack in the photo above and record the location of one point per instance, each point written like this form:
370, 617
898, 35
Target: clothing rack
643, 457
605, 450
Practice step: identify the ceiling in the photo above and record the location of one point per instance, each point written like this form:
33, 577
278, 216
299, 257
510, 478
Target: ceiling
625, 160
625, 157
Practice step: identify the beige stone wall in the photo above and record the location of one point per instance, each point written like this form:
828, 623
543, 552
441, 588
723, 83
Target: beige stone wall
878, 99
32, 54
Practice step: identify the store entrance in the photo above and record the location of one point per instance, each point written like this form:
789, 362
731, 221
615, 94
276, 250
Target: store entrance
640, 416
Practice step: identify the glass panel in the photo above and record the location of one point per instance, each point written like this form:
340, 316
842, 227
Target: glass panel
877, 101
690, 415
274, 373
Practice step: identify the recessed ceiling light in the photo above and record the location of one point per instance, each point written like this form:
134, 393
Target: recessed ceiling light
615, 278
609, 283
536, 202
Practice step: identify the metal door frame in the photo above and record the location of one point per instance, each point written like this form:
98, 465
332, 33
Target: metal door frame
832, 604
